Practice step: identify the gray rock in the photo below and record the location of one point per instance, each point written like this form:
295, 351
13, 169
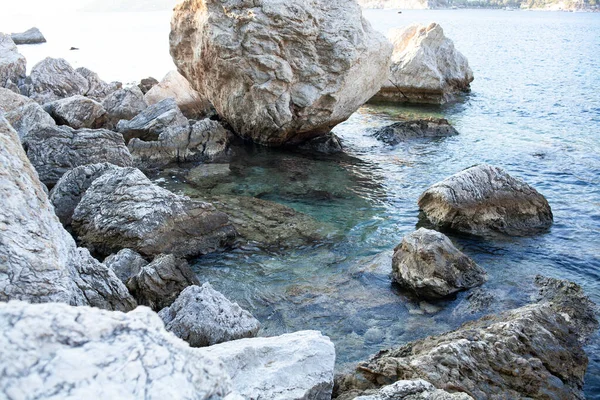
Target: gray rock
427, 263
123, 104
159, 283
280, 72
163, 118
58, 351
202, 317
295, 366
30, 36
146, 84
10, 101
98, 90
327, 144
124, 209
420, 128
77, 112
39, 261
125, 264
175, 86
484, 199
53, 79
29, 118
54, 150
413, 390
12, 64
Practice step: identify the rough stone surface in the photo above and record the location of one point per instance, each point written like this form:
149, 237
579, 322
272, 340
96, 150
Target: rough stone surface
159, 283
123, 104
146, 84
420, 128
296, 366
327, 144
28, 118
54, 150
10, 101
175, 86
413, 390
53, 79
163, 118
77, 112
12, 64
30, 36
484, 199
39, 261
124, 209
98, 90
426, 68
427, 263
529, 352
62, 352
279, 72
125, 264
202, 317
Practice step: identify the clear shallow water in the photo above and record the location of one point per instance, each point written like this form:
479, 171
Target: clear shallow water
534, 110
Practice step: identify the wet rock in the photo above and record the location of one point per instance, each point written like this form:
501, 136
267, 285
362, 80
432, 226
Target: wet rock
484, 199
123, 104
124, 209
175, 86
54, 79
30, 36
98, 90
202, 317
412, 390
294, 366
125, 264
12, 64
10, 101
74, 352
39, 261
419, 128
54, 150
264, 90
477, 301
426, 68
28, 118
77, 112
427, 263
163, 118
327, 144
159, 283
146, 84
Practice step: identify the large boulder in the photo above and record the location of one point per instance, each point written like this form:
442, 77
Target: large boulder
123, 104
98, 90
54, 150
39, 261
13, 65
30, 36
426, 68
175, 86
484, 199
427, 263
279, 72
126, 264
202, 317
58, 351
77, 112
412, 129
124, 209
295, 366
53, 79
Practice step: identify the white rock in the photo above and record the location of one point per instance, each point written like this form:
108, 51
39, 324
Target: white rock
413, 390
175, 86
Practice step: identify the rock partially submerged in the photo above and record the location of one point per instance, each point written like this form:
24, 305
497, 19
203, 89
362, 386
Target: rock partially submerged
412, 129
427, 263
30, 36
77, 112
426, 68
279, 72
327, 144
54, 79
202, 317
484, 199
13, 65
175, 86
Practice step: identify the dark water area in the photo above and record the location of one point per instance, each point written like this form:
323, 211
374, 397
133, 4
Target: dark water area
534, 110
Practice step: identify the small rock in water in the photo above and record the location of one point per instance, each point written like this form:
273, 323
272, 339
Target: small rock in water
74, 48
30, 36
374, 335
419, 128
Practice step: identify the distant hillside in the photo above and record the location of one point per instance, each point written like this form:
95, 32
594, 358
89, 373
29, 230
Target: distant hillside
532, 4
127, 5
400, 4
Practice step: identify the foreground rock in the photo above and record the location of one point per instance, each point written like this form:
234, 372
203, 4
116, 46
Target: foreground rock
530, 352
412, 129
426, 68
30, 36
202, 317
265, 91
295, 366
412, 390
123, 104
427, 263
54, 79
175, 86
12, 64
74, 352
484, 199
39, 261
77, 112
124, 209
126, 264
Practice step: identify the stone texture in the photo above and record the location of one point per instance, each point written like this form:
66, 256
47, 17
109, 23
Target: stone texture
124, 209
327, 144
288, 367
62, 352
202, 317
10, 101
158, 284
427, 263
77, 112
125, 264
413, 390
98, 90
123, 104
426, 68
146, 84
175, 86
53, 79
279, 72
163, 118
54, 150
411, 129
39, 261
30, 36
12, 64
484, 199
28, 118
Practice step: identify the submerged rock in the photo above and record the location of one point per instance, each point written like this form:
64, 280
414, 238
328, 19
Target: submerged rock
328, 144
426, 68
484, 199
54, 79
123, 104
279, 72
30, 36
77, 112
39, 261
158, 284
124, 209
175, 86
419, 128
125, 264
98, 90
13, 65
202, 317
